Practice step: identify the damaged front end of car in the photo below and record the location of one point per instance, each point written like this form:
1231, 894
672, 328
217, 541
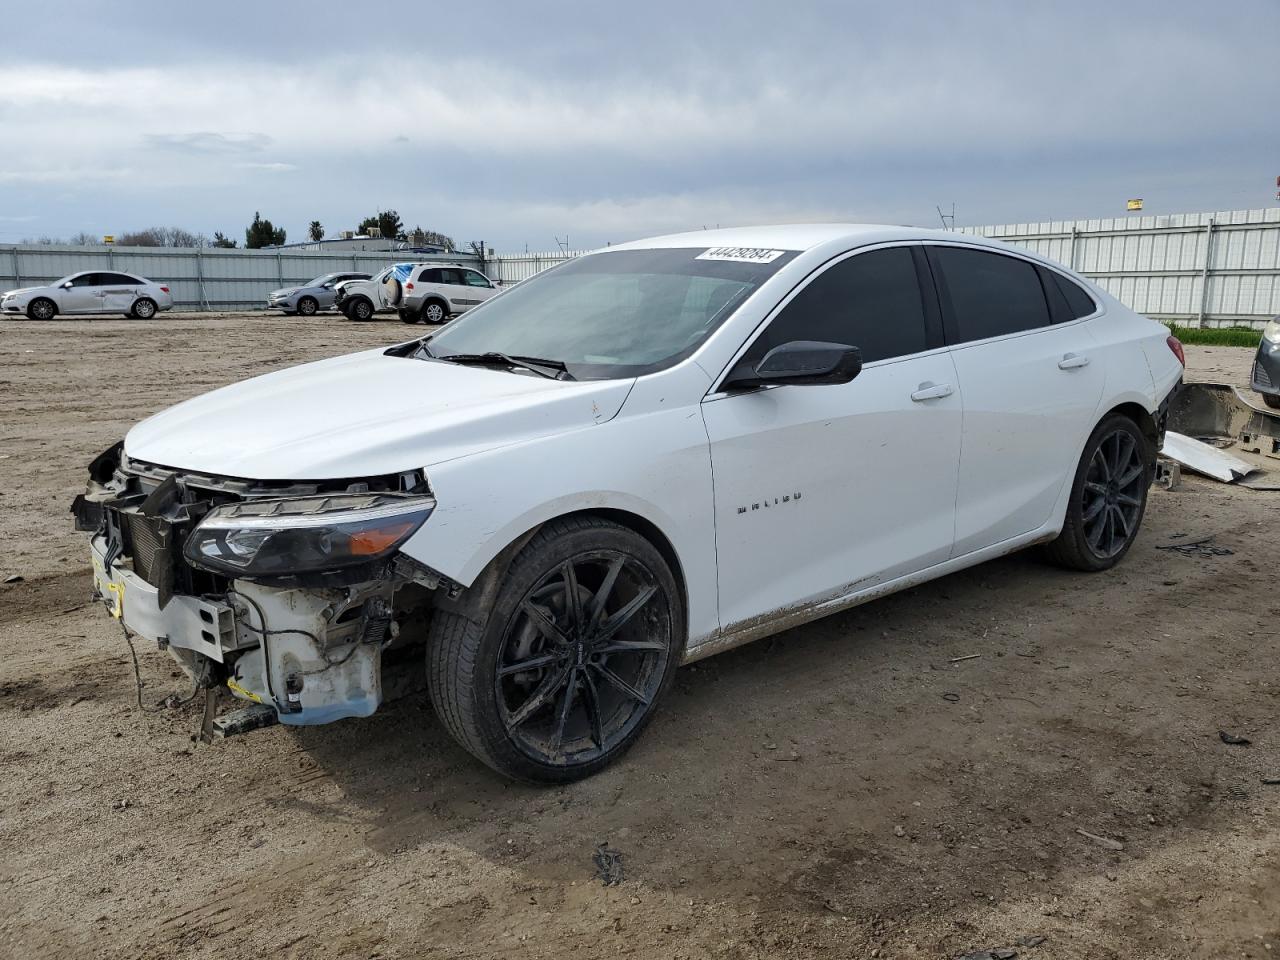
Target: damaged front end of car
288, 594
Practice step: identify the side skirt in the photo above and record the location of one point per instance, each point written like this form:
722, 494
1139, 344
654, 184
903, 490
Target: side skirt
856, 594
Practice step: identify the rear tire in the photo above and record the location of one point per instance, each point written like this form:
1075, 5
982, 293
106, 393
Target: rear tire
1108, 497
308, 306
143, 309
1272, 400
408, 316
42, 308
434, 312
545, 690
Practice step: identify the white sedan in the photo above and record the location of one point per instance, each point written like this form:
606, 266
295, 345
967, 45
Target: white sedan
90, 291
636, 459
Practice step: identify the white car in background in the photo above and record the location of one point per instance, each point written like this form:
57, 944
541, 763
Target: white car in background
638, 458
90, 291
434, 292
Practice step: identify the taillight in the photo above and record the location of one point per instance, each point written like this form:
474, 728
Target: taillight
1176, 346
408, 286
164, 289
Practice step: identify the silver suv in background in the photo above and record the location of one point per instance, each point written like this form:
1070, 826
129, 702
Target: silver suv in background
313, 296
90, 291
435, 292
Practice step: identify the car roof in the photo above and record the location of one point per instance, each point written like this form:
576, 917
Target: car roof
800, 236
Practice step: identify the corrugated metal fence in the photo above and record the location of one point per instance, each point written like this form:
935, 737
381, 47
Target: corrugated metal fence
508, 268
1209, 269
1215, 269
209, 278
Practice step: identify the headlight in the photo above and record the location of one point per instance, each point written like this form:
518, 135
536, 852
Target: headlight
1271, 332
304, 534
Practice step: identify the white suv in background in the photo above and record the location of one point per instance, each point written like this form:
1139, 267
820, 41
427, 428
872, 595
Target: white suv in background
436, 291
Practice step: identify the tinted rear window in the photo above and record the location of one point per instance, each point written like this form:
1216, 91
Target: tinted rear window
1079, 302
990, 294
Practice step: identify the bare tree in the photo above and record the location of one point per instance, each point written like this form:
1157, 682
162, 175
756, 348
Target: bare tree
162, 237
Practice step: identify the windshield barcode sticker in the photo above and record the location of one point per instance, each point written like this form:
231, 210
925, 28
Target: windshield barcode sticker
741, 254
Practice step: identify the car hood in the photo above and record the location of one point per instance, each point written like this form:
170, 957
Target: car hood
366, 414
20, 291
284, 292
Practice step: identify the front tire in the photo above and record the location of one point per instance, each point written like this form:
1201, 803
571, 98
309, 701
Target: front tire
143, 309
555, 674
308, 306
408, 316
1108, 497
361, 310
42, 308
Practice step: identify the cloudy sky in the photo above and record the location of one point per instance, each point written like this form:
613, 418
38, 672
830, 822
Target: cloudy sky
521, 123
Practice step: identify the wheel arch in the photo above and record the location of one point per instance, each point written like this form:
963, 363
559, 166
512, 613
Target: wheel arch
1140, 415
435, 298
481, 590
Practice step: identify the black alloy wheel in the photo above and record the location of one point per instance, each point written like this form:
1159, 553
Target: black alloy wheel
582, 660
1112, 497
552, 663
1108, 497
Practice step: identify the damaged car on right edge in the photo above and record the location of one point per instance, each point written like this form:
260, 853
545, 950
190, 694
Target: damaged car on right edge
636, 459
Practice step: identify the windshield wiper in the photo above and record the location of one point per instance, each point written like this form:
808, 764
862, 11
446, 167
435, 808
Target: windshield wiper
551, 369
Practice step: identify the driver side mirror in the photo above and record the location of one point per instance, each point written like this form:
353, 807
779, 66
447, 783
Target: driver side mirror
68, 285
800, 362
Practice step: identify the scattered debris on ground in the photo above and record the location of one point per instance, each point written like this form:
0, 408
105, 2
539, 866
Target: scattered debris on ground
1232, 740
609, 868
1204, 547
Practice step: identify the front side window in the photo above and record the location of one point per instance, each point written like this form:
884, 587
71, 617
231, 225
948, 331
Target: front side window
451, 277
87, 280
614, 314
870, 301
991, 295
474, 279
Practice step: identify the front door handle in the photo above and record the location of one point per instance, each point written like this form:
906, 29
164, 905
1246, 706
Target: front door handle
1072, 361
932, 391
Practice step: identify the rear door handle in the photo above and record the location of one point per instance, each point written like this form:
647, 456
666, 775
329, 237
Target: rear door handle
1072, 361
932, 391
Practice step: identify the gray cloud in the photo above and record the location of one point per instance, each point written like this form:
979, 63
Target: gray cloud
208, 141
611, 121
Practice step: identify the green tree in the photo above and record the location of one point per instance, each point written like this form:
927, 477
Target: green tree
386, 222
222, 240
316, 230
262, 233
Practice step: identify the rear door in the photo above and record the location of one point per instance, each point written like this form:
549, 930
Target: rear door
824, 491
119, 291
1031, 391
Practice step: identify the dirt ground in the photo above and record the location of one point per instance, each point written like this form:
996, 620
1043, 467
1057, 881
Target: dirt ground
852, 788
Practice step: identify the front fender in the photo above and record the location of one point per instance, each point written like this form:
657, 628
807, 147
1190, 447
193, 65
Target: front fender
655, 465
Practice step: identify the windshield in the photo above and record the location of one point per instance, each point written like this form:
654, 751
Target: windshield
614, 314
320, 281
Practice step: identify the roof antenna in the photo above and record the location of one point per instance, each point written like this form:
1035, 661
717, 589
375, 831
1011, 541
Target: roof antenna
947, 217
